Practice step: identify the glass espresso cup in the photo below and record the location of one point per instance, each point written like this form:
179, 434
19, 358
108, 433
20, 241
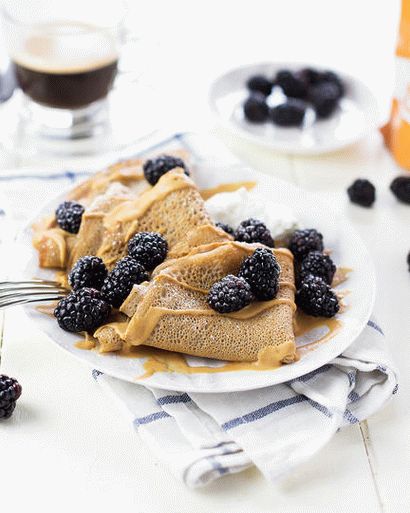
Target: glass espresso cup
65, 55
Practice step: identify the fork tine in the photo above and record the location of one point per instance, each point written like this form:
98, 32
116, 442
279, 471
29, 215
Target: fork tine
28, 299
26, 290
37, 283
12, 294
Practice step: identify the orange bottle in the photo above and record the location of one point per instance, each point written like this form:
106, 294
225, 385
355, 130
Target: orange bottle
397, 131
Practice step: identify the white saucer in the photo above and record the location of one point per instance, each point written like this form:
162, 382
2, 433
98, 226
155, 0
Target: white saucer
355, 116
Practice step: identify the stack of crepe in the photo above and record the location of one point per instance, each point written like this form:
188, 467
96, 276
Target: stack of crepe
171, 310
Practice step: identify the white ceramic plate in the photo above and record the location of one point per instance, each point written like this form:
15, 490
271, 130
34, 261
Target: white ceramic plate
355, 116
348, 250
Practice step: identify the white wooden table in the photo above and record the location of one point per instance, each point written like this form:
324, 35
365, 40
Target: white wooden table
67, 449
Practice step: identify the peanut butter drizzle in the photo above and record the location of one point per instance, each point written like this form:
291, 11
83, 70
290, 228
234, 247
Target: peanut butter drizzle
88, 342
159, 360
341, 275
131, 210
226, 187
304, 324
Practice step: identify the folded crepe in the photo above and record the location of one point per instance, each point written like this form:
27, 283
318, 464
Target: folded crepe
99, 195
171, 311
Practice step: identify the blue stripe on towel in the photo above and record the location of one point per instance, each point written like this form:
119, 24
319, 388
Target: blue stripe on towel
152, 417
320, 408
173, 399
375, 326
216, 465
95, 373
395, 389
353, 396
263, 412
312, 374
348, 415
68, 175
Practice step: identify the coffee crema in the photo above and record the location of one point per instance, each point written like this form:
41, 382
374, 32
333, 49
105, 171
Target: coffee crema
66, 66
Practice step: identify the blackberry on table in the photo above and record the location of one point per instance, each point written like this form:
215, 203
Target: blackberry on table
408, 260
256, 109
290, 113
82, 310
291, 84
303, 242
155, 168
88, 271
253, 230
316, 298
362, 192
10, 391
229, 294
318, 264
69, 215
226, 228
400, 187
261, 270
119, 282
259, 84
325, 98
148, 248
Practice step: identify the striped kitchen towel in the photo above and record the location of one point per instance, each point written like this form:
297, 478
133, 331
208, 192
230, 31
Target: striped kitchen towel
202, 437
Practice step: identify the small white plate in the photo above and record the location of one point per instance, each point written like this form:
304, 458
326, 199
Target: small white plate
347, 250
355, 116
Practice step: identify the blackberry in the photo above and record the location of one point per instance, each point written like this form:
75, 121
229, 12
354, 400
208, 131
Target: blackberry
331, 78
148, 248
400, 187
318, 264
10, 391
290, 113
69, 215
155, 168
259, 84
253, 230
82, 310
310, 76
362, 192
261, 270
88, 271
229, 294
303, 242
119, 282
291, 84
316, 298
408, 260
226, 228
256, 109
324, 98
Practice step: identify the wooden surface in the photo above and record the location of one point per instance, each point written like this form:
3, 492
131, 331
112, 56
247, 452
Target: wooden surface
68, 449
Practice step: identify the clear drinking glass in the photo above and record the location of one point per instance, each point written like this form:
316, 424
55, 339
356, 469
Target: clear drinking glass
66, 56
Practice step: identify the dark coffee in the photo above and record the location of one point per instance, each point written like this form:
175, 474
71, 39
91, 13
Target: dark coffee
67, 65
66, 89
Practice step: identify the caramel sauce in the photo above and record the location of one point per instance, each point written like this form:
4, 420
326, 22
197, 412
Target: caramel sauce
159, 360
226, 187
88, 342
47, 309
341, 275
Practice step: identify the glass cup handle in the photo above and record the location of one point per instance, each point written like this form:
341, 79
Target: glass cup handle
133, 61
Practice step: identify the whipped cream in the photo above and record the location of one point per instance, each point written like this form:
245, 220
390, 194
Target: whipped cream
233, 207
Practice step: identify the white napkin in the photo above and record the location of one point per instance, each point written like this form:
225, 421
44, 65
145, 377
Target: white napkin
204, 436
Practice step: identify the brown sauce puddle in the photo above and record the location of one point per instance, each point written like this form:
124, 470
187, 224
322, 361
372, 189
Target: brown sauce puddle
158, 360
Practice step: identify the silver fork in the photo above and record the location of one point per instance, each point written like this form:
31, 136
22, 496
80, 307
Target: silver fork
13, 293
